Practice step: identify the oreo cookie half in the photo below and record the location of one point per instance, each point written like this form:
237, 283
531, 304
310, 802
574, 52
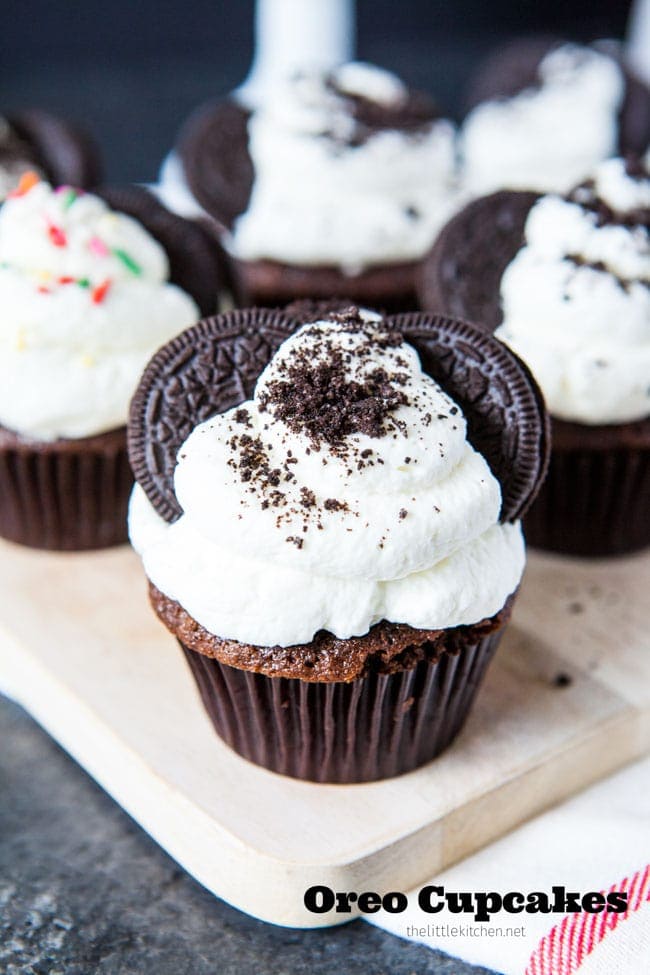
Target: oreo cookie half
213, 148
207, 369
195, 262
462, 273
214, 365
66, 153
506, 418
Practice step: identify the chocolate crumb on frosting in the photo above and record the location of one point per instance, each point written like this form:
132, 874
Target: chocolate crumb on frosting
585, 196
412, 113
318, 397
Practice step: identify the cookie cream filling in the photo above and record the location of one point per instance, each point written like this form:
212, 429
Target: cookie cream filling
345, 492
576, 298
85, 303
330, 189
546, 138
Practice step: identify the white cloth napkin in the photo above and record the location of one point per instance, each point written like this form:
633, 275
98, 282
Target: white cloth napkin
597, 841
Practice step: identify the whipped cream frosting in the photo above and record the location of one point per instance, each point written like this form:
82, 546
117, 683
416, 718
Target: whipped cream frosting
576, 298
546, 138
85, 303
345, 492
323, 195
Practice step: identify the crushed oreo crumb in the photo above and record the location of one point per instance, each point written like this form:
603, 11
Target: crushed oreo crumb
316, 396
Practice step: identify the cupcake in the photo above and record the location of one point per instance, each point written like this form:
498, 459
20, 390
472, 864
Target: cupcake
544, 113
86, 301
565, 280
335, 185
37, 142
328, 516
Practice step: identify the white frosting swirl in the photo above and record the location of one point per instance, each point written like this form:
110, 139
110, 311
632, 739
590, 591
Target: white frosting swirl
283, 535
85, 303
576, 302
316, 199
546, 138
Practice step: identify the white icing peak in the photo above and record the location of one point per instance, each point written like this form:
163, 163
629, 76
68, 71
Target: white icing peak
546, 138
288, 530
85, 303
576, 300
322, 196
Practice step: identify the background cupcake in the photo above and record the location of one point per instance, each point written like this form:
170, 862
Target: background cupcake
335, 556
335, 185
544, 113
566, 281
85, 301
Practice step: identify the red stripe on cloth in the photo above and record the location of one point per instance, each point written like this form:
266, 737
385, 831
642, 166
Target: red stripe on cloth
567, 944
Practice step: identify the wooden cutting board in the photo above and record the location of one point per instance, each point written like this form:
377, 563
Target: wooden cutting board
81, 650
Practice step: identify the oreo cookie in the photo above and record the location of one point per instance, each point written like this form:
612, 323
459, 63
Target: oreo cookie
515, 67
506, 418
65, 153
214, 365
462, 273
196, 263
207, 369
213, 148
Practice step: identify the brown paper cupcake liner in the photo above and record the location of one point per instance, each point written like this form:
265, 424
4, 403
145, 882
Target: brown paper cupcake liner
593, 503
66, 495
371, 728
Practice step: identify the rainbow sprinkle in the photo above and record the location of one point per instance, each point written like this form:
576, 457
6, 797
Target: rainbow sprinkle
70, 196
57, 235
98, 247
127, 261
100, 292
27, 180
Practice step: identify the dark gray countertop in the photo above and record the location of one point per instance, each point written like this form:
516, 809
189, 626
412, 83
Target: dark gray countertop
83, 890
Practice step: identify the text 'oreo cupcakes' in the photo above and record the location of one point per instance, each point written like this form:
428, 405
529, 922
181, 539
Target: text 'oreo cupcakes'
33, 141
566, 283
333, 535
544, 113
334, 186
85, 301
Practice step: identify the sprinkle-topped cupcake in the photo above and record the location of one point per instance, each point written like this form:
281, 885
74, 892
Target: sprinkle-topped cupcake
337, 529
335, 185
85, 300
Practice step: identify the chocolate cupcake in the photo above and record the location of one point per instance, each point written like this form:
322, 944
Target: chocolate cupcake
566, 283
545, 112
335, 185
86, 301
52, 148
328, 515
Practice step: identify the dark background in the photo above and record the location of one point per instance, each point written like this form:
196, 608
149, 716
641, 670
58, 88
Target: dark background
132, 70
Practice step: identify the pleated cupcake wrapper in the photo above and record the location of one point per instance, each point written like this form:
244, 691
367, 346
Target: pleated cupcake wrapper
371, 728
593, 503
68, 500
